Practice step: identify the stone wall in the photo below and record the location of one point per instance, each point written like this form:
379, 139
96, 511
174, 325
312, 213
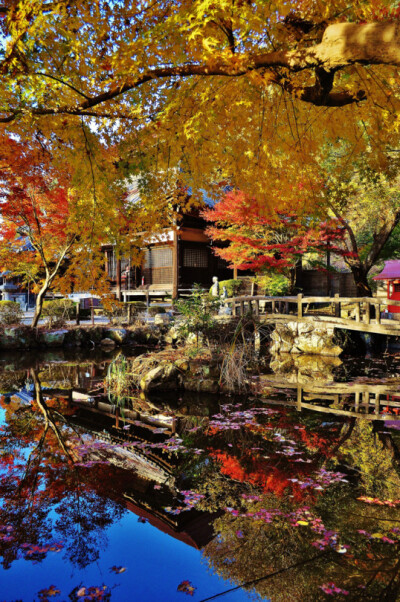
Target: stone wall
25, 337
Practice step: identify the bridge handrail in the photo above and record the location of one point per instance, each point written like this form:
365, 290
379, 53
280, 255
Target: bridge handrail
306, 300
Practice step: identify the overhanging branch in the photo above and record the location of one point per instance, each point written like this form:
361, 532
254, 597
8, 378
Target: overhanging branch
342, 44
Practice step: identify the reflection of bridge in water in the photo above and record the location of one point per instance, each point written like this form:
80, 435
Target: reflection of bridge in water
363, 314
357, 399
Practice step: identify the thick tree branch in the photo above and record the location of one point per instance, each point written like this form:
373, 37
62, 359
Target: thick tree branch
342, 44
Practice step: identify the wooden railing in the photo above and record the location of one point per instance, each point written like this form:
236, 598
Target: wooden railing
364, 400
361, 312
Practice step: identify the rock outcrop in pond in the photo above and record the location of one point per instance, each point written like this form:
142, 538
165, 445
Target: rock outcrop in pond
157, 372
299, 337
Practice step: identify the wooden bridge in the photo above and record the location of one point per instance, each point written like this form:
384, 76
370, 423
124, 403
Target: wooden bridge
365, 400
365, 314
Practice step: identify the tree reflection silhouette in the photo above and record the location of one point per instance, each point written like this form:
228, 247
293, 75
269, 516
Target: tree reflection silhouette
47, 499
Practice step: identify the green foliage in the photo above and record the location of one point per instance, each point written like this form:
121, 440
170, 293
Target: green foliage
58, 311
274, 285
365, 451
59, 308
233, 287
156, 309
10, 313
198, 312
118, 382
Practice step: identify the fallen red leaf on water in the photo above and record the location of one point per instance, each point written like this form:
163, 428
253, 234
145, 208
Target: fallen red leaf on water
186, 587
118, 569
47, 593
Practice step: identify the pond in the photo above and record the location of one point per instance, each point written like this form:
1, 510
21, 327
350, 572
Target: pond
189, 496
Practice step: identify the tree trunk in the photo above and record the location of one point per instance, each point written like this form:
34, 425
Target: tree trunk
361, 281
39, 303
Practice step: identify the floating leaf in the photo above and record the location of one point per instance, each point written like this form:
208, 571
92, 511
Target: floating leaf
118, 569
186, 588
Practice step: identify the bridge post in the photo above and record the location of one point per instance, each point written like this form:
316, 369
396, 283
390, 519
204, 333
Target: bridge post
357, 401
241, 307
273, 308
367, 317
299, 305
299, 398
337, 306
357, 312
377, 403
378, 313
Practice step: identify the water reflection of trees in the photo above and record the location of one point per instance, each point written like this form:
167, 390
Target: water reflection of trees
334, 535
318, 532
40, 478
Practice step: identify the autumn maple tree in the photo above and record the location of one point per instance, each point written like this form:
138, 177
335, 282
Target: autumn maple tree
243, 88
52, 225
275, 241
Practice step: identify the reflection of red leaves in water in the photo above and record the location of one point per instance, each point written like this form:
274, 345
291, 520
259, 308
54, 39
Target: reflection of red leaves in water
186, 588
261, 475
36, 552
47, 593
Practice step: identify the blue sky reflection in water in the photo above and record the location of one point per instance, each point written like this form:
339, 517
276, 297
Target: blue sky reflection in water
89, 504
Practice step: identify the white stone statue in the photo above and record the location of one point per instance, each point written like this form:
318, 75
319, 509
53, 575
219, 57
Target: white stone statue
215, 287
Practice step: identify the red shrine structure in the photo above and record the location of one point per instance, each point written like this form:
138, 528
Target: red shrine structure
391, 273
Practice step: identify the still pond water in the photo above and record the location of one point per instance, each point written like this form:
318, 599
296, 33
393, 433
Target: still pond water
193, 497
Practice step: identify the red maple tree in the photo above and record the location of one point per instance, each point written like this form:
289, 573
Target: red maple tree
276, 241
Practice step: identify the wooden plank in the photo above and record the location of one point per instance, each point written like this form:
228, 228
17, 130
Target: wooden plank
357, 312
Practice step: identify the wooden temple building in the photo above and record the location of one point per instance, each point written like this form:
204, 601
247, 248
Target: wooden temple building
172, 262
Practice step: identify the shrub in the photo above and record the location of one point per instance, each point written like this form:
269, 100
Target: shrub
233, 287
198, 312
10, 313
119, 310
274, 285
156, 309
58, 311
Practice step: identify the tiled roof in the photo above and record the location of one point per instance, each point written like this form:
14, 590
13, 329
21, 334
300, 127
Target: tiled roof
390, 271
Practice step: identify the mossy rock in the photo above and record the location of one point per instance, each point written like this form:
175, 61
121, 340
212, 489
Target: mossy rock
18, 337
52, 338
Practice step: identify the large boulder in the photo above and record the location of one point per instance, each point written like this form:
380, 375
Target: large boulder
18, 337
304, 337
108, 343
164, 377
52, 338
119, 335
